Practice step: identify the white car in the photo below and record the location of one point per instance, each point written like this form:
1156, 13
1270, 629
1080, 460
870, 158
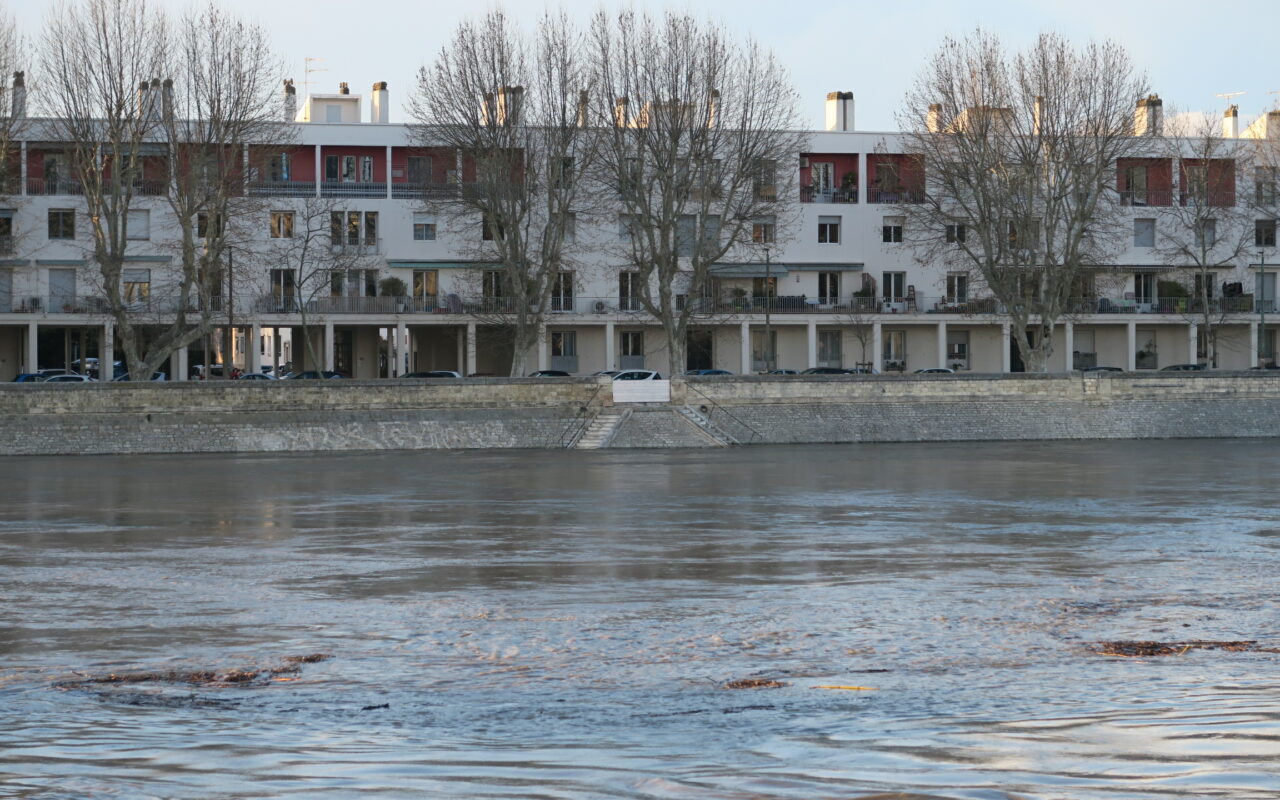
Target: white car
70, 378
637, 375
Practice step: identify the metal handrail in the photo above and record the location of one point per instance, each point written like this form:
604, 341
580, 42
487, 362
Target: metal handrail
581, 421
755, 434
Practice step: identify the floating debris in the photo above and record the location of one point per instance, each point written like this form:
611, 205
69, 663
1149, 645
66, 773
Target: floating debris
1133, 649
849, 688
375, 708
201, 677
754, 683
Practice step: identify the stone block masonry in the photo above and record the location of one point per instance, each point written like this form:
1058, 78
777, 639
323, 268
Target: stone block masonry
264, 416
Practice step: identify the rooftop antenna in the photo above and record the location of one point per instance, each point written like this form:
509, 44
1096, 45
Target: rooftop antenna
307, 69
1228, 95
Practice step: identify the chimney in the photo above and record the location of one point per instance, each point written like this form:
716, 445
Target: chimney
379, 104
343, 88
19, 95
621, 117
1037, 116
1231, 123
166, 96
290, 101
583, 109
840, 111
713, 107
144, 98
933, 121
1147, 119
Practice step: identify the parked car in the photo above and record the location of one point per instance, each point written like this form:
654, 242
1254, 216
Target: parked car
155, 376
827, 371
434, 373
49, 372
935, 371
1102, 369
637, 375
257, 376
1183, 368
783, 372
705, 372
69, 378
550, 373
30, 377
312, 374
609, 372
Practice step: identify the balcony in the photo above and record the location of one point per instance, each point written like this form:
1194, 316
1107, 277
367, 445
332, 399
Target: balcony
282, 189
356, 247
895, 196
1147, 197
1216, 198
810, 194
53, 186
352, 189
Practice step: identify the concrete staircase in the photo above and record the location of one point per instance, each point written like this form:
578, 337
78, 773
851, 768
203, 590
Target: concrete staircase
706, 427
601, 430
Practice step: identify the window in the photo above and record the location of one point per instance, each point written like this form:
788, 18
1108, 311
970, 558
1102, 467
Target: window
632, 343
562, 292
764, 350
1264, 182
765, 181
282, 283
489, 230
570, 228
894, 349
62, 223
828, 230
1144, 287
1264, 233
1265, 288
894, 285
1144, 233
629, 291
494, 284
764, 230
1137, 180
345, 228
891, 230
278, 168
564, 343
366, 169
955, 234
764, 287
562, 173
686, 234
628, 226
348, 169
424, 227
138, 225
371, 227
957, 287
6, 235
1204, 283
137, 285
203, 229
420, 169
1206, 233
829, 354
828, 287
425, 284
1024, 234
632, 176
958, 349
331, 168
281, 224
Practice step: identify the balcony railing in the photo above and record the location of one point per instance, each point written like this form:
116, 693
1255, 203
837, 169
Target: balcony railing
892, 196
1216, 198
51, 186
282, 188
810, 194
352, 189
361, 247
1146, 197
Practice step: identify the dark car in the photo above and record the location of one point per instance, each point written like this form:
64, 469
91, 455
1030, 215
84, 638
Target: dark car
30, 377
155, 376
935, 371
312, 374
705, 372
784, 372
1183, 368
433, 373
827, 371
550, 373
1102, 369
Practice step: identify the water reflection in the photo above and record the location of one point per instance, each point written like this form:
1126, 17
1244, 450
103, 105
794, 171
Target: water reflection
561, 624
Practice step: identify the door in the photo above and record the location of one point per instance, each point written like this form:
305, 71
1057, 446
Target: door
1267, 291
1146, 357
698, 350
62, 289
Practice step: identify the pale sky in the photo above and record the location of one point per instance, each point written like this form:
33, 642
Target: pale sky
1191, 49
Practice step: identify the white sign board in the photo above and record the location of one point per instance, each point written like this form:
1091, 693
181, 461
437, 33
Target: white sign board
642, 391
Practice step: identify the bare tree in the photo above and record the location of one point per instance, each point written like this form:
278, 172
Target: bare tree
311, 257
1018, 155
694, 130
509, 108
1206, 229
13, 120
129, 135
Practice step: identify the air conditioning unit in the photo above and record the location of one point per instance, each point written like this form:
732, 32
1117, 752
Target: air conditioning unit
601, 307
804, 162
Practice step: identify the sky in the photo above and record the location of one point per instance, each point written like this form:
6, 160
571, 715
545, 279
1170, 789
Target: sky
1191, 50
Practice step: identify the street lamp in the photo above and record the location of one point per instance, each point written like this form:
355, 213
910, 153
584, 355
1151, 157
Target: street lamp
769, 294
1262, 307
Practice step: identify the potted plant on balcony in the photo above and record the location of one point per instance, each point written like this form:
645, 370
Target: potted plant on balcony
391, 286
849, 184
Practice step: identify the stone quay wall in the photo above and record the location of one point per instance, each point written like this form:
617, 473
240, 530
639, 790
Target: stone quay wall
267, 416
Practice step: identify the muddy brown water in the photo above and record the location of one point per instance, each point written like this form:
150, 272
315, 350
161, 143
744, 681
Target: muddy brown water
563, 625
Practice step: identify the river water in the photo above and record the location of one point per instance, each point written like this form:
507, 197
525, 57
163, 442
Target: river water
562, 624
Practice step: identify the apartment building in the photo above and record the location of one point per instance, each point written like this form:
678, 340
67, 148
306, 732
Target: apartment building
837, 286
